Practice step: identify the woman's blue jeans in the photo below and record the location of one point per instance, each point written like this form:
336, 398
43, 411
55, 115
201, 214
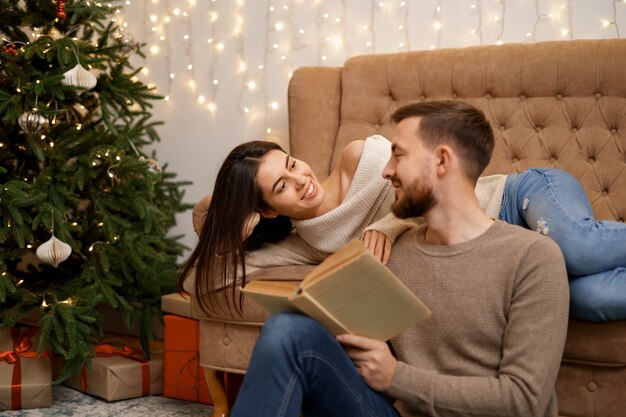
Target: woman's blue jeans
298, 367
553, 203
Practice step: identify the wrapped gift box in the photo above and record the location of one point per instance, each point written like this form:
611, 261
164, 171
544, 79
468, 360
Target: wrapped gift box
25, 378
183, 378
178, 304
120, 372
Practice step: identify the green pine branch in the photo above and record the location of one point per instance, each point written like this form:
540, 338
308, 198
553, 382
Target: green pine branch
86, 178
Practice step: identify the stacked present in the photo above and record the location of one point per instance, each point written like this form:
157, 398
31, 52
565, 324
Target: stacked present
183, 377
25, 376
119, 370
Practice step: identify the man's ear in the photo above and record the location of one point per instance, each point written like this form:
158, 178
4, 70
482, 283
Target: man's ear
444, 156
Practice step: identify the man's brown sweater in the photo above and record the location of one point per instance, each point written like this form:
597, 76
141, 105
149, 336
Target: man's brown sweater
493, 344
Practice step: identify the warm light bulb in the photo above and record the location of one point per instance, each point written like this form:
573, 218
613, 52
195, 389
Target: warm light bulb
154, 49
274, 105
279, 26
201, 99
251, 85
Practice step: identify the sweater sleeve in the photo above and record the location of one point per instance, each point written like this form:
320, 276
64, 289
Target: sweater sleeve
391, 226
532, 347
290, 251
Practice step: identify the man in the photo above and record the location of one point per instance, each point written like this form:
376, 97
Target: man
498, 295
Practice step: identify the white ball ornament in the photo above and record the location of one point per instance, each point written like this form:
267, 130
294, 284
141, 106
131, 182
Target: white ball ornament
54, 251
80, 78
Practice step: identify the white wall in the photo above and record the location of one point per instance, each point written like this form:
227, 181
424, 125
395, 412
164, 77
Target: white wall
203, 122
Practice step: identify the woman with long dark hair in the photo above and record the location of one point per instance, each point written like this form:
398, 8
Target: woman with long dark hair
261, 193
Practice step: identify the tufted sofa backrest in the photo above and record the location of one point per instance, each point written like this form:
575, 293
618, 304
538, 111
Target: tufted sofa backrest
551, 104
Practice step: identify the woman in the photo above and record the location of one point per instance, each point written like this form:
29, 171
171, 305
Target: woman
260, 191
260, 183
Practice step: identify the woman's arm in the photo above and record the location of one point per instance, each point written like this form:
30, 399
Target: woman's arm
379, 236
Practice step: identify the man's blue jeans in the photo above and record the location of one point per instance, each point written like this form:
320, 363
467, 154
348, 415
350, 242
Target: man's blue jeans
298, 366
553, 203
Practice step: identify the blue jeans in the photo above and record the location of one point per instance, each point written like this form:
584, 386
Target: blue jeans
298, 366
553, 203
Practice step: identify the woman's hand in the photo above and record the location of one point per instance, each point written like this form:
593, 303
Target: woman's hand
249, 225
379, 244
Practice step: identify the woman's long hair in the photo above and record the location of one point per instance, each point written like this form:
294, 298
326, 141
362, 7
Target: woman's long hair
221, 251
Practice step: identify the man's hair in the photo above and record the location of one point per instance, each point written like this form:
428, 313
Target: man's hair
457, 124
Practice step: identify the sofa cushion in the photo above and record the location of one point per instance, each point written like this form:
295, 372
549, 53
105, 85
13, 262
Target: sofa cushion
600, 344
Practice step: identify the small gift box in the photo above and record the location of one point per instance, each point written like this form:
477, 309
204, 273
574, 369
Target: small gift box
120, 372
183, 378
179, 304
25, 376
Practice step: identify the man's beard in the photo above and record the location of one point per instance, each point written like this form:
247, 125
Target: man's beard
416, 203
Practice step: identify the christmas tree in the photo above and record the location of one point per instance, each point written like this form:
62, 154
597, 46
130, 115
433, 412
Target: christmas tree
84, 212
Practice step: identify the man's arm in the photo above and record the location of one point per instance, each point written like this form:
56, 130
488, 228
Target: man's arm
532, 347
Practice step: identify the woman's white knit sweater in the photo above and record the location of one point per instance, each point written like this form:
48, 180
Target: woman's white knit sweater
367, 204
368, 200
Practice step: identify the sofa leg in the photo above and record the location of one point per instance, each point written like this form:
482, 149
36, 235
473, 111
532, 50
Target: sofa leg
215, 383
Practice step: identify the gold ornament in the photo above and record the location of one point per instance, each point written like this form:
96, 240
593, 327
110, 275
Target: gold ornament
80, 78
54, 251
33, 122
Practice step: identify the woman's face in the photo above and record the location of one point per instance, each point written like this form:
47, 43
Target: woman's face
289, 186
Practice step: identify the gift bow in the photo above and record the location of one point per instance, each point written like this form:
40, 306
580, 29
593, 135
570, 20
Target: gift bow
21, 346
106, 350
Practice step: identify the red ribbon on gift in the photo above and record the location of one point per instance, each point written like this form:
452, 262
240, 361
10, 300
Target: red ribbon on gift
21, 346
127, 352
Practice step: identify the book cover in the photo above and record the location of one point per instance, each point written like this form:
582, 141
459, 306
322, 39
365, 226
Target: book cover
349, 292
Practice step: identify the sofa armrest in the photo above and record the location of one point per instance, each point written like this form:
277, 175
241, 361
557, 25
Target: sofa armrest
198, 214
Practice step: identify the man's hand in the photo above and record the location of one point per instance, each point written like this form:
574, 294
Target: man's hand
379, 244
372, 358
251, 222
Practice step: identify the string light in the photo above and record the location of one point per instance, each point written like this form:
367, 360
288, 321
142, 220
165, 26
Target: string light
320, 30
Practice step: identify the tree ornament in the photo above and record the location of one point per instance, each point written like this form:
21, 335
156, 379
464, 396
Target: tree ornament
33, 122
153, 165
80, 78
125, 40
54, 251
61, 15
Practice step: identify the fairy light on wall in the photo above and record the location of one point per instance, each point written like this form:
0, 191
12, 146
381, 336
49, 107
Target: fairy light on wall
403, 29
371, 44
500, 20
476, 8
248, 85
322, 32
613, 21
437, 25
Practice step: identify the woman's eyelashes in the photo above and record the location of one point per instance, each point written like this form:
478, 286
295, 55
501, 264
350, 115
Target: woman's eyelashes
284, 184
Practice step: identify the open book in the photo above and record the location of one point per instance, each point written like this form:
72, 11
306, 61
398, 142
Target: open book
349, 292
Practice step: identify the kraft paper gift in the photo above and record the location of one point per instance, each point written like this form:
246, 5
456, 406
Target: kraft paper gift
119, 373
25, 376
177, 304
183, 377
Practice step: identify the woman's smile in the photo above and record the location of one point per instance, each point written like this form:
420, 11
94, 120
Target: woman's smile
311, 191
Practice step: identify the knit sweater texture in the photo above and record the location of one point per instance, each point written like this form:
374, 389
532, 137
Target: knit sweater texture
493, 343
368, 200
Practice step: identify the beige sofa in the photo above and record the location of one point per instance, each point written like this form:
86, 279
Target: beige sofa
558, 104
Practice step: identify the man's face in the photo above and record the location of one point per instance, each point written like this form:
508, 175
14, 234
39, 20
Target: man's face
410, 171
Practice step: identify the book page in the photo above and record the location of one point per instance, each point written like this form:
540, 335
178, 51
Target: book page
367, 298
271, 295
